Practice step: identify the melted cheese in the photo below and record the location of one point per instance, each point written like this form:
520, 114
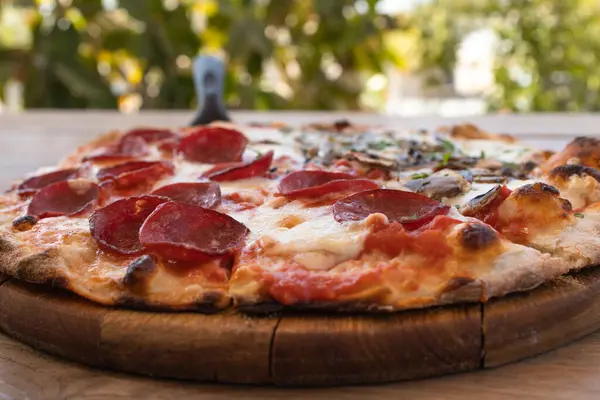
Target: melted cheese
581, 191
322, 241
245, 184
506, 152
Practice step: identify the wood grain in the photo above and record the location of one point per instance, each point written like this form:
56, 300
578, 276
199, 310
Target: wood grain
224, 347
52, 320
303, 349
334, 350
526, 324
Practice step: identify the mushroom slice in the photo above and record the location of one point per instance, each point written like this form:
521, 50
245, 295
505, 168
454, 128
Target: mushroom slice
442, 184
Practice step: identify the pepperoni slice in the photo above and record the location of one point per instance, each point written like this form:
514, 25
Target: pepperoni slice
116, 227
133, 173
203, 194
412, 210
319, 183
127, 147
151, 135
184, 232
35, 183
213, 145
70, 197
237, 171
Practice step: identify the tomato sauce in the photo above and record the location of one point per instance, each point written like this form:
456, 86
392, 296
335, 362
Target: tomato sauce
296, 284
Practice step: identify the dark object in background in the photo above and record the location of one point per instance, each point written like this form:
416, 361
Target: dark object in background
209, 73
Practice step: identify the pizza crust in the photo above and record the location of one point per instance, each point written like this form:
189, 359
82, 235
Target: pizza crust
48, 267
521, 270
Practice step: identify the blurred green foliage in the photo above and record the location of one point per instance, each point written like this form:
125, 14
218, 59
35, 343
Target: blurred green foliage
304, 54
548, 51
293, 54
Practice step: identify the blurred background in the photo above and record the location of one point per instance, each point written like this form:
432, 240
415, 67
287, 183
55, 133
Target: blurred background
401, 57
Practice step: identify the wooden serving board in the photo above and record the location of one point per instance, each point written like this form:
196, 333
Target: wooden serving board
303, 349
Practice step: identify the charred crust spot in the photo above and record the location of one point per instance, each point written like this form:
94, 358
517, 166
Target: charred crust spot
24, 223
478, 236
535, 189
37, 268
529, 166
539, 191
139, 272
457, 283
566, 205
138, 303
131, 302
341, 124
209, 302
210, 298
566, 171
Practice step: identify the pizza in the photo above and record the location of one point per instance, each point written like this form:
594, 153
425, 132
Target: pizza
265, 216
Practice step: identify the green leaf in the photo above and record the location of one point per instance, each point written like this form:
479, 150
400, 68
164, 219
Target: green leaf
422, 175
446, 158
382, 144
448, 145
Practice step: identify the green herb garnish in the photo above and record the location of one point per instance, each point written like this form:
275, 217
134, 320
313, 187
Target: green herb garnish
422, 175
482, 155
448, 145
446, 158
579, 215
382, 144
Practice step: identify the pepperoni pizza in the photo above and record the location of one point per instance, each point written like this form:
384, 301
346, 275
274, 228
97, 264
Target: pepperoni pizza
330, 216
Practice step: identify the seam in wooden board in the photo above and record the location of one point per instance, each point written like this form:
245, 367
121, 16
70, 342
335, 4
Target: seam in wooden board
272, 346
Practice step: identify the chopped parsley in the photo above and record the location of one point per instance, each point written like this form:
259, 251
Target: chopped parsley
482, 155
382, 144
446, 158
448, 145
579, 215
422, 175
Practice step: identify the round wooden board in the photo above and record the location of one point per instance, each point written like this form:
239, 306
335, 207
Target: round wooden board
303, 349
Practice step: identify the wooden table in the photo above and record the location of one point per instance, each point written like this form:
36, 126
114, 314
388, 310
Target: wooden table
32, 140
